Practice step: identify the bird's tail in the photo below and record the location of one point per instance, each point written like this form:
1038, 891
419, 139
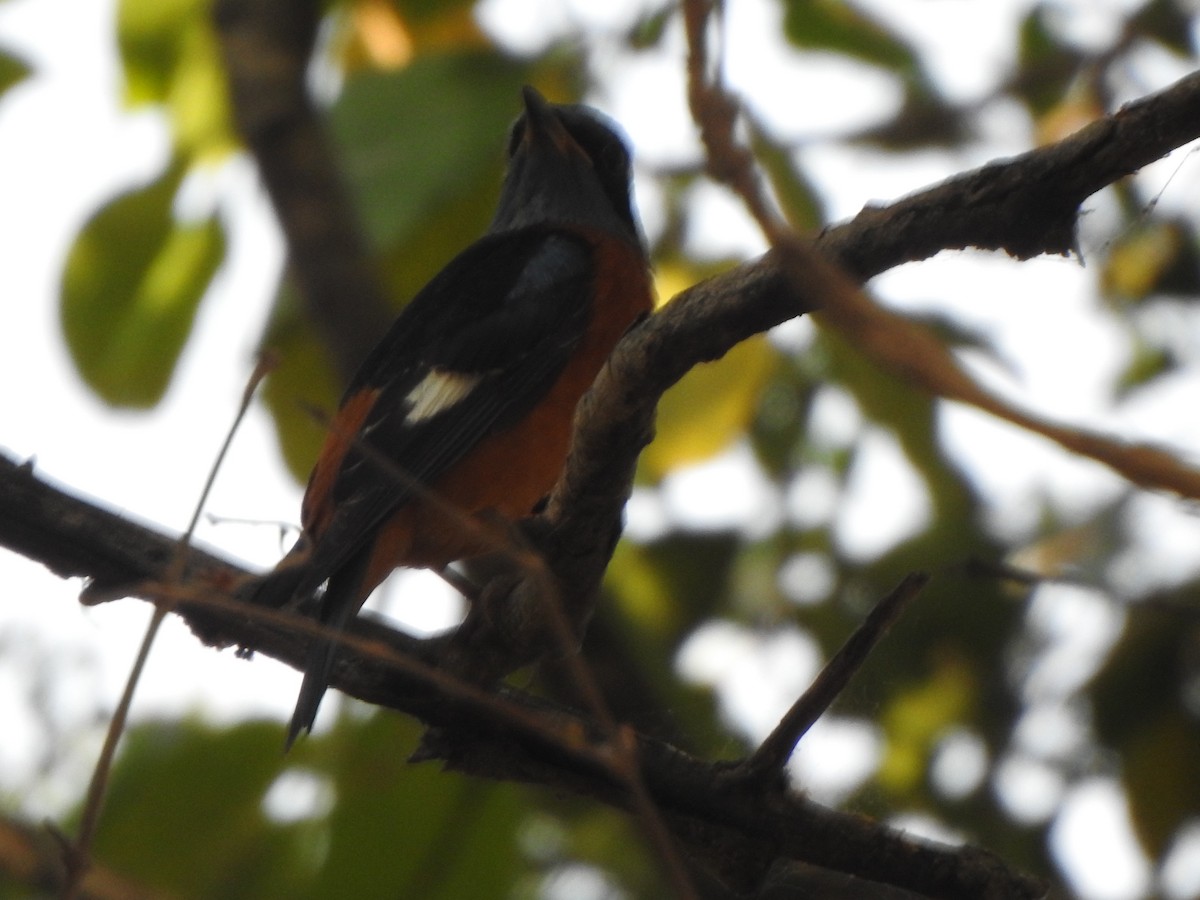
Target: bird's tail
290, 584
339, 604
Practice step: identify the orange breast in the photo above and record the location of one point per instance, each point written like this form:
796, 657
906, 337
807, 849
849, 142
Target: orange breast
509, 471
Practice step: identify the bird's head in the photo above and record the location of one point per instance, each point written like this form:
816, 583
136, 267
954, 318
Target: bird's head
567, 164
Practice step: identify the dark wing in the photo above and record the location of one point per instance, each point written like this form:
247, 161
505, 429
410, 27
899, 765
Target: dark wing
474, 351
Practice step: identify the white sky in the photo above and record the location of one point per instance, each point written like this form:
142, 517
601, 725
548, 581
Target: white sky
65, 146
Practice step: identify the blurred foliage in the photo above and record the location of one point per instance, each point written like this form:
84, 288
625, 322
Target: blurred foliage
169, 53
132, 285
834, 26
13, 71
420, 122
231, 817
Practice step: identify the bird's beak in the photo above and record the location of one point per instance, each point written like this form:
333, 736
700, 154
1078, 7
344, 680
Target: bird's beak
542, 126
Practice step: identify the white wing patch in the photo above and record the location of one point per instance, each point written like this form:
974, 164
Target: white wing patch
437, 392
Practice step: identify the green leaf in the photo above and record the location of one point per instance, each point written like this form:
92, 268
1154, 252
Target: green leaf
398, 830
1141, 709
1045, 65
415, 139
170, 57
1147, 363
797, 195
133, 281
13, 70
841, 27
647, 32
710, 407
924, 120
778, 434
186, 814
184, 811
1165, 21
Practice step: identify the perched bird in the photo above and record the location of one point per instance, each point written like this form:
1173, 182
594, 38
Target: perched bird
463, 412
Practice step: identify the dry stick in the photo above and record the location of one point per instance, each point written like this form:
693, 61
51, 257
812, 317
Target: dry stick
910, 350
774, 752
78, 855
715, 112
489, 707
623, 743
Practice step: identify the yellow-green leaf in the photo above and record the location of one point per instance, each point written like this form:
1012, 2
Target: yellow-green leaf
170, 58
709, 408
841, 27
198, 97
13, 70
134, 279
149, 33
916, 719
1141, 258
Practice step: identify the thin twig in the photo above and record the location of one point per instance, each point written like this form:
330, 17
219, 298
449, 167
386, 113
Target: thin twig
621, 741
898, 343
774, 752
78, 855
715, 110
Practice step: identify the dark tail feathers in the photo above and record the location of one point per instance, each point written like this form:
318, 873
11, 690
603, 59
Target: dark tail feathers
339, 604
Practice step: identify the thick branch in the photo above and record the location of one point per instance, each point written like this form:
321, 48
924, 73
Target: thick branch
266, 46
1026, 205
121, 557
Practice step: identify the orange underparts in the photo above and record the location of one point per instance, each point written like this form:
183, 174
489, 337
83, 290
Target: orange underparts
509, 471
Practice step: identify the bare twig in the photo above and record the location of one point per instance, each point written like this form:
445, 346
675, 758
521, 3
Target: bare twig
716, 112
900, 344
773, 753
78, 854
619, 741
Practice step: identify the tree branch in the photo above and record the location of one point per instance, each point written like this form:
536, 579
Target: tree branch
267, 46
1026, 205
504, 733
